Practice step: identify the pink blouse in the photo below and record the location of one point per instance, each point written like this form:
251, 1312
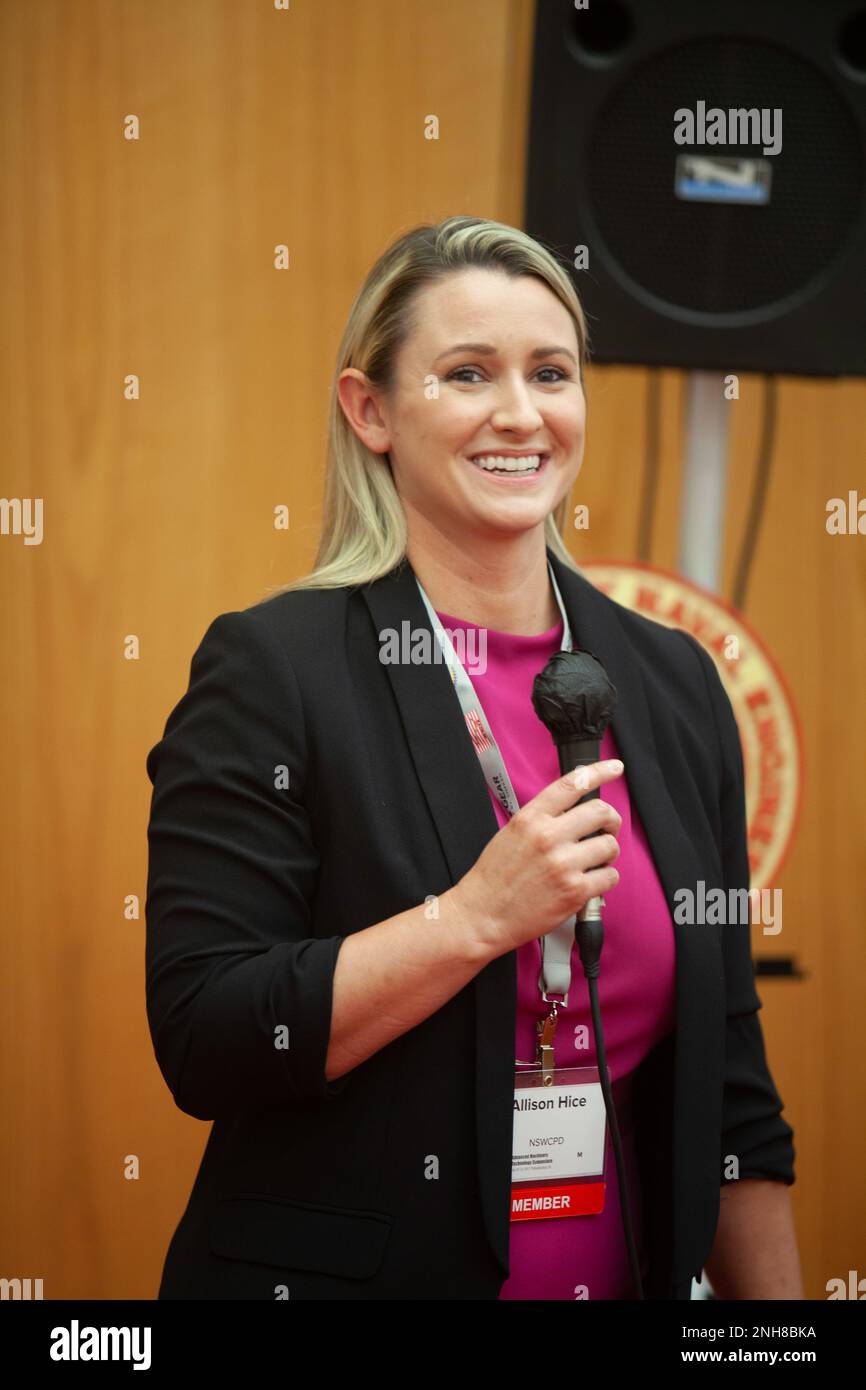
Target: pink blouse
582, 1256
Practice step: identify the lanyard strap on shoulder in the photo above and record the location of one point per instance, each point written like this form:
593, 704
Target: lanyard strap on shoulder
556, 945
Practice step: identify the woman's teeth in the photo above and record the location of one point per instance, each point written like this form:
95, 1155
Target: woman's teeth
492, 463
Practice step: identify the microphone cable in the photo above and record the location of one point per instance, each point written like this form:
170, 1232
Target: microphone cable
590, 939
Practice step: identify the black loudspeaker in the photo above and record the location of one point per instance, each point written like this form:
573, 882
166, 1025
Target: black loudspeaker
717, 233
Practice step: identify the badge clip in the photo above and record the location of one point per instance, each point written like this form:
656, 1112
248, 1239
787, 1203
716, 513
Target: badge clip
546, 1029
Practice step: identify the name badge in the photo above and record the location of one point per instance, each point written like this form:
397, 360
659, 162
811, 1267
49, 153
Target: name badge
559, 1145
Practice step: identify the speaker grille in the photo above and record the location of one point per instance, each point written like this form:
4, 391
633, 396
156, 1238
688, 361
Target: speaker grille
724, 258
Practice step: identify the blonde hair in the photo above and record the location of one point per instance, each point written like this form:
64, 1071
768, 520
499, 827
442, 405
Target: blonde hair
364, 532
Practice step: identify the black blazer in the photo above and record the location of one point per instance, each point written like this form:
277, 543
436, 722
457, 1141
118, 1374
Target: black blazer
319, 1188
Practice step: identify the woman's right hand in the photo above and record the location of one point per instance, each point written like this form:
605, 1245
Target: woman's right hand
539, 868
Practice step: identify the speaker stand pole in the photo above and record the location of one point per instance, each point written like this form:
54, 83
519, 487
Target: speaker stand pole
705, 476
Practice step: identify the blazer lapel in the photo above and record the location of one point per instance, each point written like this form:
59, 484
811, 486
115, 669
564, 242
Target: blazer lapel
445, 760
455, 790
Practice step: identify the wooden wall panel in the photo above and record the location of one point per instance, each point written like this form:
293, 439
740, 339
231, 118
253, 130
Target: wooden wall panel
155, 257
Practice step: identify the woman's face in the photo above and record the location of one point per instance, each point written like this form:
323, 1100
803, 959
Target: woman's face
515, 389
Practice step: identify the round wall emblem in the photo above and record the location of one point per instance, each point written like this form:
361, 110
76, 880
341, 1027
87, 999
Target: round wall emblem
769, 729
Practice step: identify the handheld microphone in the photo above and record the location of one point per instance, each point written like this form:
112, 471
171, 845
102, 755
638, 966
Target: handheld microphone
575, 699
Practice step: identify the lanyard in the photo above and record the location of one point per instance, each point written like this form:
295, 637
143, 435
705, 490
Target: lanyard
555, 977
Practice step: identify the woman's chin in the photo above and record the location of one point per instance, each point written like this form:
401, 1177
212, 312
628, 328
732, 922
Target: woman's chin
506, 521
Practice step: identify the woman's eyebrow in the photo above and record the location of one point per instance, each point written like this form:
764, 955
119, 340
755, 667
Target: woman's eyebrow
487, 348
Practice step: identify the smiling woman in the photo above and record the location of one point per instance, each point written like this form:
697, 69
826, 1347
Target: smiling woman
358, 865
481, 422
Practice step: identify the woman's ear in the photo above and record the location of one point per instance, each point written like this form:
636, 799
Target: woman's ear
361, 408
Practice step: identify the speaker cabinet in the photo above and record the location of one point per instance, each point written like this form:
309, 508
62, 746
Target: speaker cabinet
711, 160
